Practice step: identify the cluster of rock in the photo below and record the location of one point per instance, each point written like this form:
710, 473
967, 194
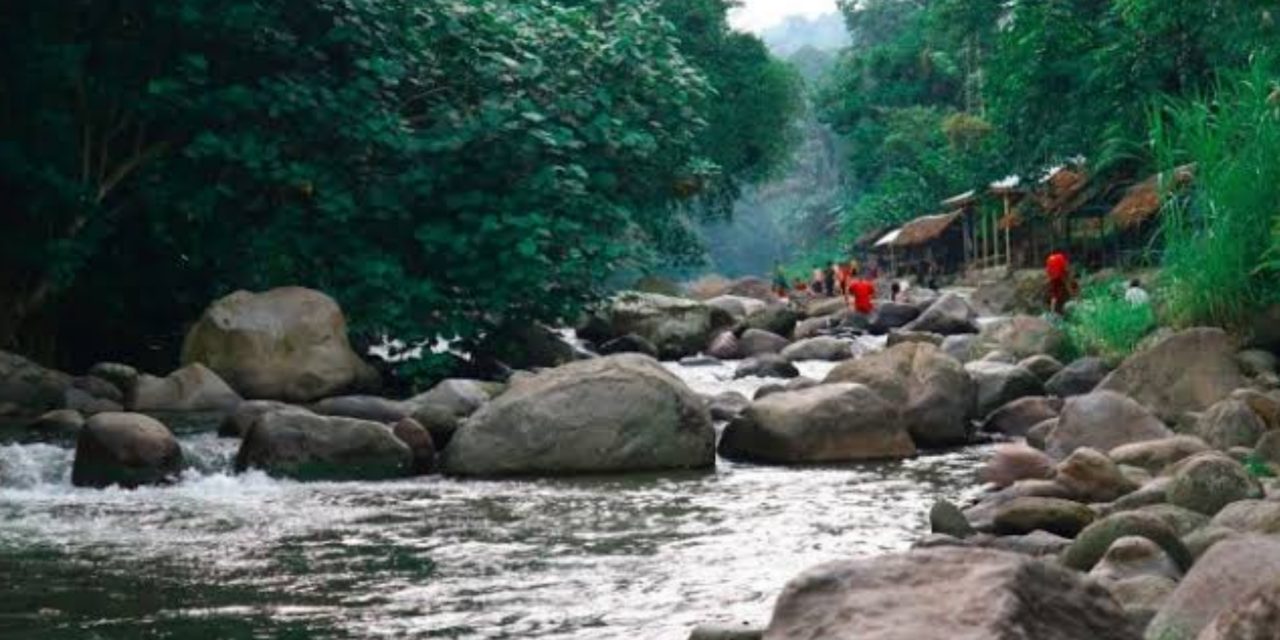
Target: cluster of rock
1132, 503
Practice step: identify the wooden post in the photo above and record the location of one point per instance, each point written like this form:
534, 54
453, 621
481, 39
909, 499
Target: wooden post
1008, 243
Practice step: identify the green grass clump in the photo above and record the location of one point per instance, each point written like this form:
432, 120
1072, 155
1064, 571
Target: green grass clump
1222, 243
1103, 324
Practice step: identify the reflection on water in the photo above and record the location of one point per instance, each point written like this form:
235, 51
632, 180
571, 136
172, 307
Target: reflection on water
646, 556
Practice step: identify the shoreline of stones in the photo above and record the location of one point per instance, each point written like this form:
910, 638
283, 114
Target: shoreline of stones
1121, 504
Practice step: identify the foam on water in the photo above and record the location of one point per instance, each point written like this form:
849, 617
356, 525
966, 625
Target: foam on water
640, 556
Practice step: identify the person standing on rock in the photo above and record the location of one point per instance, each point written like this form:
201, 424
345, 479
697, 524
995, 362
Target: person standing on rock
1058, 268
829, 280
863, 292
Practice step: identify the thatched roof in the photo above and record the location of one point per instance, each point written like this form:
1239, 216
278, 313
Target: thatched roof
963, 200
926, 229
889, 238
1064, 190
1143, 200
869, 238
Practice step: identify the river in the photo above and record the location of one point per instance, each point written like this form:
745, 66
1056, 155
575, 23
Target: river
246, 556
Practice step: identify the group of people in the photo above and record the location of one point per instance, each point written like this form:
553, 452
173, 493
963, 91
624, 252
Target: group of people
838, 279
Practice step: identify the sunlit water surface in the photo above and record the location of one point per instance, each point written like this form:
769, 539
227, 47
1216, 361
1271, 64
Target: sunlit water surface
636, 557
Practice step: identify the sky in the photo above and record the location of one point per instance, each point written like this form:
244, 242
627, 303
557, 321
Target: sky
757, 15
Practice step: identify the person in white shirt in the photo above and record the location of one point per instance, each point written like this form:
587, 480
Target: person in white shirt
1136, 295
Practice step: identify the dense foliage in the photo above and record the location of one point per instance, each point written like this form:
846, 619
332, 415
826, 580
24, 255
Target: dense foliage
1103, 324
441, 167
1220, 262
938, 97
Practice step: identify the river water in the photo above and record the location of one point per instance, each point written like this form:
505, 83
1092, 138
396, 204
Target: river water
637, 557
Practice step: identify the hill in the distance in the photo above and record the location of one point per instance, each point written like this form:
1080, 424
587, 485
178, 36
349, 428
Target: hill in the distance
824, 33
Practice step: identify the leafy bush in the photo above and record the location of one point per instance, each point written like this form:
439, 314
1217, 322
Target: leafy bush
1222, 244
1103, 324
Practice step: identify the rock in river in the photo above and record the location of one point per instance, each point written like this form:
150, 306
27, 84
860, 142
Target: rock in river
285, 344
614, 414
305, 446
1103, 420
1185, 372
932, 390
945, 594
126, 449
828, 423
950, 315
1227, 576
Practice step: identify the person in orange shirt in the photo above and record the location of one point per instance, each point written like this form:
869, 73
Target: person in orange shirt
1058, 269
863, 292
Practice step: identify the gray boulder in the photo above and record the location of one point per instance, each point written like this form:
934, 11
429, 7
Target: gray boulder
829, 423
304, 446
949, 315
738, 307
1013, 462
1018, 417
1135, 556
933, 392
125, 449
952, 593
457, 396
1024, 336
1185, 372
1044, 367
813, 327
372, 408
630, 343
1021, 516
946, 518
1092, 477
1103, 420
1228, 575
725, 346
1255, 617
675, 326
964, 347
237, 423
194, 387
728, 405
28, 388
1207, 482
768, 365
1078, 378
1092, 544
1230, 423
613, 414
1155, 455
418, 439
285, 344
892, 315
777, 319
825, 349
757, 342
999, 384
902, 336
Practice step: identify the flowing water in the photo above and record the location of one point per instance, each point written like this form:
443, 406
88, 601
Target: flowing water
246, 556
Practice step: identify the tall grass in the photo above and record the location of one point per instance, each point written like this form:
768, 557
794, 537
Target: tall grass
1221, 242
1103, 324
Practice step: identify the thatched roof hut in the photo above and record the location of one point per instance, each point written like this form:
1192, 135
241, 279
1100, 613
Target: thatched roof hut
926, 229
1144, 200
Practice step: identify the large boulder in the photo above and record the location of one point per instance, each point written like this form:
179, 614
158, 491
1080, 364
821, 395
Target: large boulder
1135, 556
126, 449
630, 343
768, 365
1103, 420
1024, 336
236, 424
725, 346
28, 388
306, 446
814, 327
1055, 515
778, 319
372, 408
1023, 291
1045, 367
522, 346
1255, 617
192, 388
1018, 417
1249, 516
1207, 482
285, 344
738, 307
1013, 462
932, 390
1230, 423
1155, 455
418, 439
945, 593
1092, 477
675, 326
756, 342
1228, 575
998, 384
891, 315
828, 423
1185, 372
458, 396
614, 414
950, 315
823, 348
1078, 378
1091, 545
825, 307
